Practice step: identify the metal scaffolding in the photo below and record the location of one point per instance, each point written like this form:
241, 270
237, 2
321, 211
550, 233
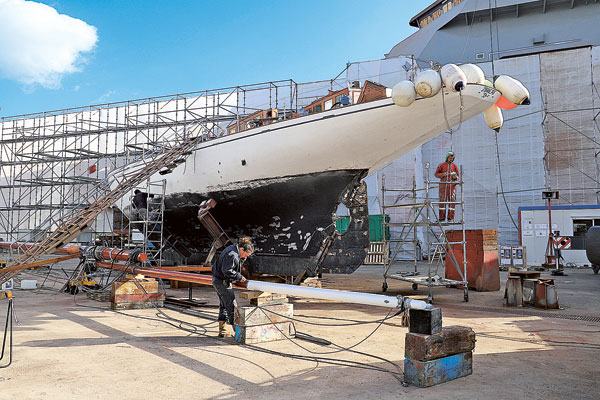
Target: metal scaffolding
52, 163
439, 247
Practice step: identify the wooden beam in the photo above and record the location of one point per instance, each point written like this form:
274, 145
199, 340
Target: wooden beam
451, 340
40, 263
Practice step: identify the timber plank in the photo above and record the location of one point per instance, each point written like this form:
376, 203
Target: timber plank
451, 340
250, 294
263, 333
131, 287
269, 299
248, 316
429, 373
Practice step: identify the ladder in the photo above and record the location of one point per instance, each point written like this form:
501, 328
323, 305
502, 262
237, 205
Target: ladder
424, 215
167, 154
150, 223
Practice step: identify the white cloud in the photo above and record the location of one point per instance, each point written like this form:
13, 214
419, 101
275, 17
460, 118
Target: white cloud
104, 98
38, 45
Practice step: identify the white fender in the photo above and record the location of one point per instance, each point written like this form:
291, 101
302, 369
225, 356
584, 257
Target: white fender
512, 90
473, 73
428, 83
493, 118
453, 77
403, 93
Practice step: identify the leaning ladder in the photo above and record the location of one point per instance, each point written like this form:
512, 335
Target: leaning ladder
168, 154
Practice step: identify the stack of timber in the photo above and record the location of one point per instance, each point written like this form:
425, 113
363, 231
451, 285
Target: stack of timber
266, 320
434, 354
135, 292
312, 282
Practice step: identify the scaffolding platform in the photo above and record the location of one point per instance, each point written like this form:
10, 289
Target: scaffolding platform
422, 215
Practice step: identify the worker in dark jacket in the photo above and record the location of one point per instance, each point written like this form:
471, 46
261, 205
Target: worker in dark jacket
228, 269
140, 203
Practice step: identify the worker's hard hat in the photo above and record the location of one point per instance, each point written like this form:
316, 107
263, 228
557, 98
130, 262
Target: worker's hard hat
448, 154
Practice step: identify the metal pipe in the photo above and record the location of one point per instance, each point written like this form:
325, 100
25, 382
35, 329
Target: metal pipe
327, 294
98, 252
291, 290
160, 273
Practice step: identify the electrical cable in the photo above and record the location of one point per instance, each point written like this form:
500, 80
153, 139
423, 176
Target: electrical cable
591, 346
353, 323
333, 361
166, 318
339, 348
469, 33
327, 360
491, 41
501, 184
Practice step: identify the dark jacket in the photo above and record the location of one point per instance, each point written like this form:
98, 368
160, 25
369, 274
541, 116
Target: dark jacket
140, 200
228, 266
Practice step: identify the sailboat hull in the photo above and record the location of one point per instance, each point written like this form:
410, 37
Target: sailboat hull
281, 184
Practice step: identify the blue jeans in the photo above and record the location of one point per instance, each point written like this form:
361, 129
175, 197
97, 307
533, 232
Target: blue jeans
226, 300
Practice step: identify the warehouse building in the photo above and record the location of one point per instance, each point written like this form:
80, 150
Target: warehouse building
552, 47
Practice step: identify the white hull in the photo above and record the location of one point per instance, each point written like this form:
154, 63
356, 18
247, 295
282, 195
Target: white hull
367, 136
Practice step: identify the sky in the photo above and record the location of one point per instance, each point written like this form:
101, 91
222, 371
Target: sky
70, 53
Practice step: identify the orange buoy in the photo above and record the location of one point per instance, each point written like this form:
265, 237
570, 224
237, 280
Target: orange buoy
504, 104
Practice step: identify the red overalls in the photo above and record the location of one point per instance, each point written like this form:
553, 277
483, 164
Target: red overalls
447, 190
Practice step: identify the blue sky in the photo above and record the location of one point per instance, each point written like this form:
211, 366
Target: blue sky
130, 49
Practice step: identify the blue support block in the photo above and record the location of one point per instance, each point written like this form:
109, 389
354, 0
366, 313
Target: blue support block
429, 373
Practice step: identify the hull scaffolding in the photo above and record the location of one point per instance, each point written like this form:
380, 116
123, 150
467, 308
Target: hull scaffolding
422, 214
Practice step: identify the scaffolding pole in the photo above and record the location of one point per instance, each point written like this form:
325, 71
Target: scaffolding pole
422, 214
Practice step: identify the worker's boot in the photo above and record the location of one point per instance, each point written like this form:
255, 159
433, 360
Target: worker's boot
223, 329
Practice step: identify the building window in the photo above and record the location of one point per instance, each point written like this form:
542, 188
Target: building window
318, 108
581, 226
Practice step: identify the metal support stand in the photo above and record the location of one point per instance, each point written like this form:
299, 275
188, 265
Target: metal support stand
423, 214
8, 334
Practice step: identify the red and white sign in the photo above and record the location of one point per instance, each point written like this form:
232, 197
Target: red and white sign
562, 242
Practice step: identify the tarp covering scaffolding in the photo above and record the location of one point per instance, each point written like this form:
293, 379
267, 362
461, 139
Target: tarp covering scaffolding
553, 143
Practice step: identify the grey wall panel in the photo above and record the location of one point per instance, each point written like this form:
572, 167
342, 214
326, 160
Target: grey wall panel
458, 41
569, 127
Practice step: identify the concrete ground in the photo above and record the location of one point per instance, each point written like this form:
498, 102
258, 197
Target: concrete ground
72, 347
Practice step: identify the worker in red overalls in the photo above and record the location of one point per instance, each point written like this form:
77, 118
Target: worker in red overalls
447, 172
